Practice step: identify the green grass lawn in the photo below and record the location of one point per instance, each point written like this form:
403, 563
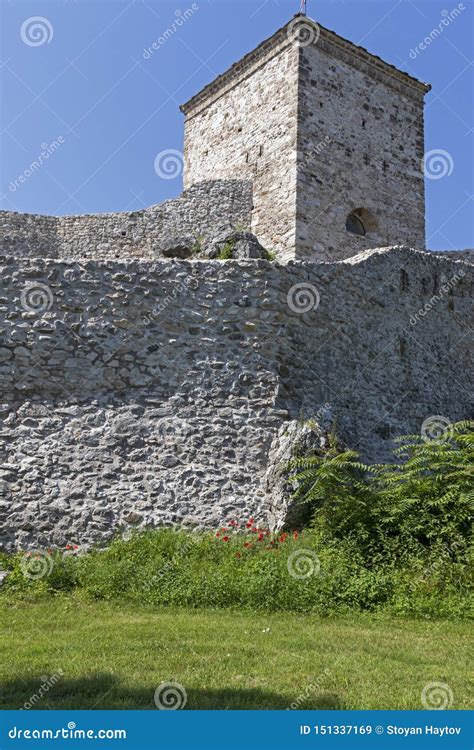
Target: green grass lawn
114, 657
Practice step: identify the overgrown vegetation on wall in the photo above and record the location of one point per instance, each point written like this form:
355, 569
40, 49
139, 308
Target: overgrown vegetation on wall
396, 537
421, 502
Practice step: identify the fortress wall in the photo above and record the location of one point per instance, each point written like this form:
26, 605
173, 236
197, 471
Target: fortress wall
389, 346
199, 211
147, 393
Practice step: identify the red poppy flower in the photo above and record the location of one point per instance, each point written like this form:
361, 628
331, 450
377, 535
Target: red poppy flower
225, 538
260, 537
295, 535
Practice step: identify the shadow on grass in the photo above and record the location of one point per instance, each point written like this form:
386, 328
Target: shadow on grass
105, 691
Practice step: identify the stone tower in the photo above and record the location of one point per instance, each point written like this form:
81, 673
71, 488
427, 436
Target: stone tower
330, 135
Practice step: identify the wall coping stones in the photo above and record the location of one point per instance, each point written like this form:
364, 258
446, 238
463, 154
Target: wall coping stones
201, 210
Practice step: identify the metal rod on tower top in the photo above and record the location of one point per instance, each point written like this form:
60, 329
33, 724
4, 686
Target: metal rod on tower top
303, 7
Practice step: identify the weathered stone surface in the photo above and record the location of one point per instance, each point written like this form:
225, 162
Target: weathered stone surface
138, 234
466, 255
321, 127
179, 247
295, 439
159, 391
241, 246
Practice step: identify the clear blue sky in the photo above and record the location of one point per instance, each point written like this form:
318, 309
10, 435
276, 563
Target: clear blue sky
81, 79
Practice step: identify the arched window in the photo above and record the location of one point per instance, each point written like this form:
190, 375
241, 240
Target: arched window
355, 225
361, 222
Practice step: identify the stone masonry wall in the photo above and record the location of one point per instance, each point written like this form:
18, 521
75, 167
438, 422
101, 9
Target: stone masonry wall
360, 145
199, 211
321, 127
148, 393
248, 130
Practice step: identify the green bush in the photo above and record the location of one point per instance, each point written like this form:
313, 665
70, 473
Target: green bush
226, 251
399, 509
394, 537
166, 567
